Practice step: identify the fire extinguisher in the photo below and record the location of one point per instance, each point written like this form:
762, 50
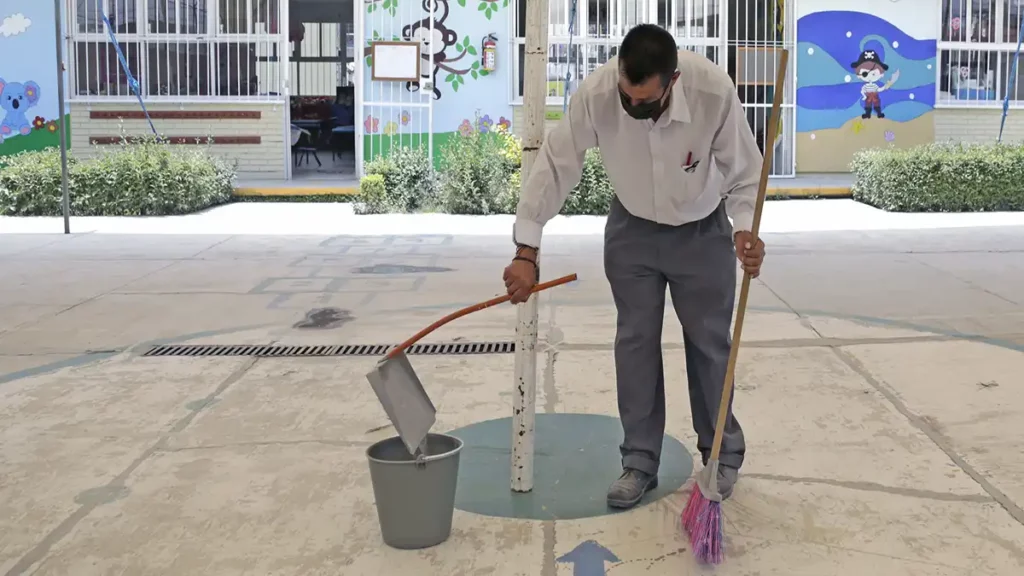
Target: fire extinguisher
489, 50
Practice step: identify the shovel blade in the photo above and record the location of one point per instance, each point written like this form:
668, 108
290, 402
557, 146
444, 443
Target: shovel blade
405, 401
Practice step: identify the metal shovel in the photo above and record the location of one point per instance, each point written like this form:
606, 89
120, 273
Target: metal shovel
399, 389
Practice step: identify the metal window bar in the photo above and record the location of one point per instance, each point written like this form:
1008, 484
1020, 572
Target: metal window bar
180, 50
600, 26
976, 52
758, 30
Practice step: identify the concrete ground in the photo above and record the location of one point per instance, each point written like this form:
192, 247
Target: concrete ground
880, 389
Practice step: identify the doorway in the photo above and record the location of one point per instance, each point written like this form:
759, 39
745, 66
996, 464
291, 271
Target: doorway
322, 99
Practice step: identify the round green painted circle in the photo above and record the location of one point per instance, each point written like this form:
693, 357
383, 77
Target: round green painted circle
576, 460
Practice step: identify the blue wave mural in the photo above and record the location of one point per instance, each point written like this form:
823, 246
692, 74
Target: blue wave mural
829, 91
821, 69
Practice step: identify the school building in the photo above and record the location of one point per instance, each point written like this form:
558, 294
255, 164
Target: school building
290, 90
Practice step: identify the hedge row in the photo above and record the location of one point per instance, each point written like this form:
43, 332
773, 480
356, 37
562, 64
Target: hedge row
143, 178
948, 177
480, 174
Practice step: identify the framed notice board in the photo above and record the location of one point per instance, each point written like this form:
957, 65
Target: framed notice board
395, 61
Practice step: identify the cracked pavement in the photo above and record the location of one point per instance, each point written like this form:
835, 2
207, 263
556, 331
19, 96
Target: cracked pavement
879, 386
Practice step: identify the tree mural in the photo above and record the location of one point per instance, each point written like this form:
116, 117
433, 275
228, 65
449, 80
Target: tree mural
390, 6
488, 7
442, 51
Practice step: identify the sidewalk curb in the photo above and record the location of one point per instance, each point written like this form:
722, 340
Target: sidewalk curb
773, 192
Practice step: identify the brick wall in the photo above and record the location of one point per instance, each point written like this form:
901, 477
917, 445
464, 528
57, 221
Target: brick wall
977, 125
250, 134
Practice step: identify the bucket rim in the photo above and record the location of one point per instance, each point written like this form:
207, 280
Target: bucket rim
433, 457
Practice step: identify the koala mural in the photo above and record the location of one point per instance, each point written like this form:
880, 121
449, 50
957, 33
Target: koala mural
16, 99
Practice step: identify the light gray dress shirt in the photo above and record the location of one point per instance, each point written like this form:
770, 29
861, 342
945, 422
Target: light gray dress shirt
672, 171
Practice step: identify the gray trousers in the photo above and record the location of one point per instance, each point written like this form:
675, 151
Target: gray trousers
697, 262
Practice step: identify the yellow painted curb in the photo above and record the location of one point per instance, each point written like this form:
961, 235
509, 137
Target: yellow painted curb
297, 191
809, 192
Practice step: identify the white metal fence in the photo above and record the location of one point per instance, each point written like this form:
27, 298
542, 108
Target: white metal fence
394, 115
178, 50
598, 30
757, 32
743, 37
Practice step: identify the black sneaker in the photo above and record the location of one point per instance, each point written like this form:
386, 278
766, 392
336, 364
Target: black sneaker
627, 491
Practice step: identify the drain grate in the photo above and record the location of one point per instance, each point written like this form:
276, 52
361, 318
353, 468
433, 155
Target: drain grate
285, 351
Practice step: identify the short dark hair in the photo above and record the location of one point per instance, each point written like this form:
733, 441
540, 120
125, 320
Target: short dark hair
648, 51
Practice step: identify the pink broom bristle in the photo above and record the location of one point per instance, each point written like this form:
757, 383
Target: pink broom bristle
702, 520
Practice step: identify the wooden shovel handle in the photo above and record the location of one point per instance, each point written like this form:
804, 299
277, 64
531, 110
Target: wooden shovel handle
469, 310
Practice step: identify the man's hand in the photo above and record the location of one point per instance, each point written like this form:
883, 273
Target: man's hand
520, 276
750, 255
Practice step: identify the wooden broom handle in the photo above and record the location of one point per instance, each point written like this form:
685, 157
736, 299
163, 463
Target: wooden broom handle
469, 310
741, 309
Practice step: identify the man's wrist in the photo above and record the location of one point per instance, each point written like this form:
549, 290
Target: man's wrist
526, 251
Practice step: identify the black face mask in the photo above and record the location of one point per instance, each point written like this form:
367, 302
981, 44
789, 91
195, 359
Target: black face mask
645, 110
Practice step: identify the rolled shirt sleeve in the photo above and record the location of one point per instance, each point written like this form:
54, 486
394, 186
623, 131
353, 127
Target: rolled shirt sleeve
556, 170
737, 156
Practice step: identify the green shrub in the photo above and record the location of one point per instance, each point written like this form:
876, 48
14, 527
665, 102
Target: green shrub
138, 178
475, 174
593, 195
946, 177
373, 197
408, 178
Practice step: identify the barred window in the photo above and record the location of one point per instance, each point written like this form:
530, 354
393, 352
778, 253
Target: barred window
977, 48
177, 50
598, 30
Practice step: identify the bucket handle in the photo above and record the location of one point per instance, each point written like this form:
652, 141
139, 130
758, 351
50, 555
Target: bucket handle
469, 310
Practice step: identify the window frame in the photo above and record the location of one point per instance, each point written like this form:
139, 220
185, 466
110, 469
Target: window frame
614, 39
1004, 49
208, 35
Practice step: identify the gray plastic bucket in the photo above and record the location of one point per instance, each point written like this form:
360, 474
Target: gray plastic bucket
415, 500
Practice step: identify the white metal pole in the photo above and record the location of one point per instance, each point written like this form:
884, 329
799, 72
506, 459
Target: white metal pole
524, 393
61, 127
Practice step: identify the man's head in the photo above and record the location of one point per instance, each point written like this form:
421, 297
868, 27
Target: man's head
648, 61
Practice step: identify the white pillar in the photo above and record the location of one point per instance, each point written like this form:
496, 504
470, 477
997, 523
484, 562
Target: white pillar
524, 393
524, 396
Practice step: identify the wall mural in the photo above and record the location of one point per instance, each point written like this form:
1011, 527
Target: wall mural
28, 86
452, 62
865, 78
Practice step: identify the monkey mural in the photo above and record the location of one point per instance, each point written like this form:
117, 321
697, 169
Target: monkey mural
434, 47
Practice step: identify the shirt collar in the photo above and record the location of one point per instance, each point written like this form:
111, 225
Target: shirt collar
678, 110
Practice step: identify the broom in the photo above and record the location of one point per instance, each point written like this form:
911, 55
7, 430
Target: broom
702, 517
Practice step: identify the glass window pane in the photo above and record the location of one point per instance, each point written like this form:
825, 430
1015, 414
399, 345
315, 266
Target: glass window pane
560, 65
1012, 10
176, 16
178, 69
983, 21
600, 17
123, 15
98, 70
235, 17
969, 20
599, 54
967, 76
1012, 86
235, 72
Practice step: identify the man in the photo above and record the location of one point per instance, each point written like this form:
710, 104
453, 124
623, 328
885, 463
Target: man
682, 159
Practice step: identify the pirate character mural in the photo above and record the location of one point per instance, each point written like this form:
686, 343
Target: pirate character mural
870, 69
865, 78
